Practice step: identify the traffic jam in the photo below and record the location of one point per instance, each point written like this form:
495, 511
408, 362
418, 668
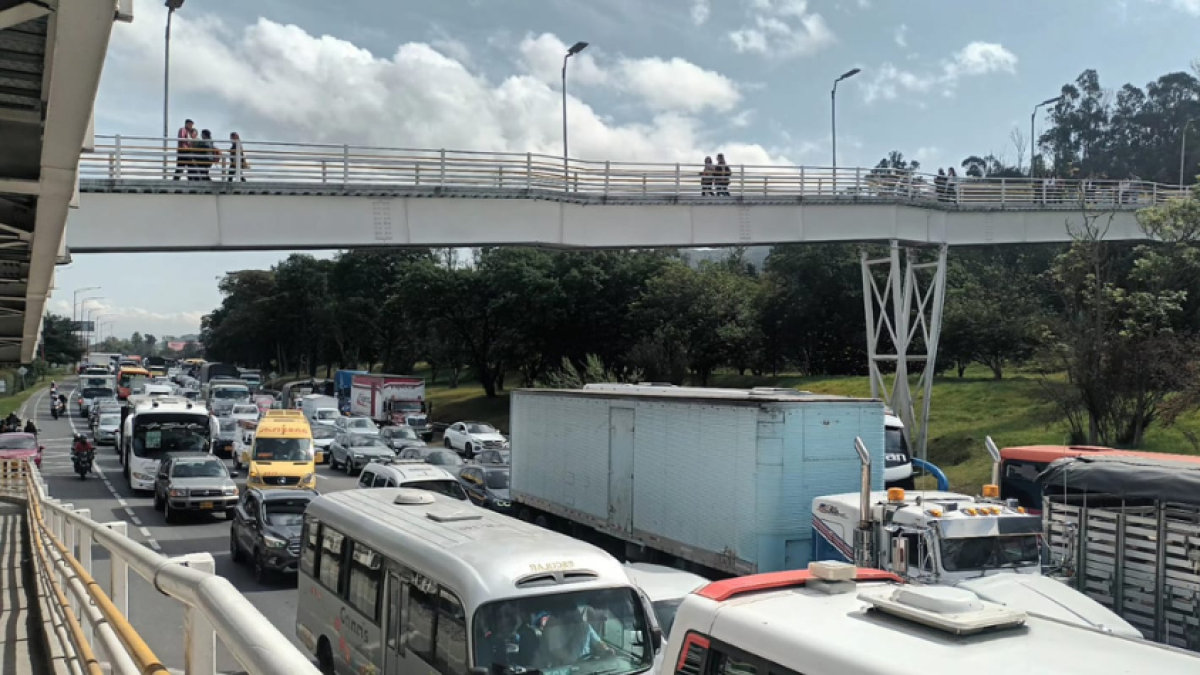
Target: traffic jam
613, 523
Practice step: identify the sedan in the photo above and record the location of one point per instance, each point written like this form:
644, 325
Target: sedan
502, 457
469, 438
435, 456
487, 486
102, 406
21, 446
266, 527
356, 425
354, 451
194, 481
401, 437
105, 431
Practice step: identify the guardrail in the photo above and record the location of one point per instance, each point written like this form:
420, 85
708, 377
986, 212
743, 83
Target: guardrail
64, 537
135, 162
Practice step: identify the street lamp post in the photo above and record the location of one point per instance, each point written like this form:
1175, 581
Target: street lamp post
85, 314
172, 5
75, 308
575, 49
1033, 133
833, 114
96, 325
1183, 150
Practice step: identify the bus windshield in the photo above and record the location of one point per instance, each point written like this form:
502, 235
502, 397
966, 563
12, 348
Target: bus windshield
166, 433
231, 393
581, 633
282, 450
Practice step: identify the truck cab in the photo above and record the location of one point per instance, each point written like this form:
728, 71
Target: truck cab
931, 537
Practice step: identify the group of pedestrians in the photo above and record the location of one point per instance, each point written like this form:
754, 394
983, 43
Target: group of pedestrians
946, 185
714, 179
197, 153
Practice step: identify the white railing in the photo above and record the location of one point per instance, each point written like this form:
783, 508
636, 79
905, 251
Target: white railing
212, 607
123, 161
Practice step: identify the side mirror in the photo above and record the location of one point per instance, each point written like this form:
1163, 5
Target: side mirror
656, 639
233, 473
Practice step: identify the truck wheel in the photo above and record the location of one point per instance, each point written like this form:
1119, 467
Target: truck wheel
525, 515
543, 521
446, 442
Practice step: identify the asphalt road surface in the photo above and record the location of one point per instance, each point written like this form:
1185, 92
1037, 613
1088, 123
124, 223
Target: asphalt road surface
157, 618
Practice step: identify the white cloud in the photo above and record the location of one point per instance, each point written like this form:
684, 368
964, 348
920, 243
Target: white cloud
700, 12
974, 60
283, 83
742, 119
137, 318
900, 35
782, 29
1190, 6
981, 58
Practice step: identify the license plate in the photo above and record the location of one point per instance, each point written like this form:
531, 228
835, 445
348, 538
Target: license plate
206, 505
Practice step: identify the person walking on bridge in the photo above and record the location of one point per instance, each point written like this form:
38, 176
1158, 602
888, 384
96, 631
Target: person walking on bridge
706, 178
721, 182
236, 158
182, 157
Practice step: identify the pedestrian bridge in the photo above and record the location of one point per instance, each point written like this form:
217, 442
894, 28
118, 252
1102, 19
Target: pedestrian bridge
140, 194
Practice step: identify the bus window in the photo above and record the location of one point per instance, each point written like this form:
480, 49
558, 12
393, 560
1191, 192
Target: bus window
308, 558
451, 636
422, 612
330, 567
366, 575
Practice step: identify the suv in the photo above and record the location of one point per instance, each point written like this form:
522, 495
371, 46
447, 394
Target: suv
194, 481
413, 474
266, 526
400, 437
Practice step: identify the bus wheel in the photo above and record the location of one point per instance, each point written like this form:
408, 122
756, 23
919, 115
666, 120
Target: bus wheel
325, 657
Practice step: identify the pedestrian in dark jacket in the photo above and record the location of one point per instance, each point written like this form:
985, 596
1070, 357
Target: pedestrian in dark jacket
707, 176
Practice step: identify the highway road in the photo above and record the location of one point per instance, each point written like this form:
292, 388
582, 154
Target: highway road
158, 619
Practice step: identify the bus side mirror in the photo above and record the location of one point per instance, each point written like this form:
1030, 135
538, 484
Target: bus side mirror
656, 639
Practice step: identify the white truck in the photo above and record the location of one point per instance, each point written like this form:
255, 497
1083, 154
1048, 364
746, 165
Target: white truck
319, 409
717, 480
392, 399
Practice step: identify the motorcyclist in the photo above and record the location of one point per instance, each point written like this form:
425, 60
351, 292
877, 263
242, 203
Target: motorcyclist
31, 428
81, 444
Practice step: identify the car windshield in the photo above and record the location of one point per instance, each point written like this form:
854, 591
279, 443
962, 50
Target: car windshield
282, 449
245, 410
664, 611
110, 420
327, 414
97, 392
480, 429
980, 553
581, 632
496, 480
367, 442
444, 486
285, 512
231, 393
323, 432
21, 442
403, 434
443, 458
360, 423
200, 468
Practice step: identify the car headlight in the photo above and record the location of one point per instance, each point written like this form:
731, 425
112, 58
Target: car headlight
308, 478
502, 503
177, 492
274, 542
141, 476
231, 491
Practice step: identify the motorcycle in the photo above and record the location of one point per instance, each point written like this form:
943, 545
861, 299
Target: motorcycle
56, 409
82, 460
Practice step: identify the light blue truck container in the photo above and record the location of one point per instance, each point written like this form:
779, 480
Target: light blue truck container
723, 478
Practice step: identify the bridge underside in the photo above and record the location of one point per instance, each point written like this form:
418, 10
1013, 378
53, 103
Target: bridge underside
244, 218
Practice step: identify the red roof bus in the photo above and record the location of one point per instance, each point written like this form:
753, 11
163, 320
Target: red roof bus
1020, 466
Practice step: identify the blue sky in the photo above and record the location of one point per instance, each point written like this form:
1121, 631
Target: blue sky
667, 80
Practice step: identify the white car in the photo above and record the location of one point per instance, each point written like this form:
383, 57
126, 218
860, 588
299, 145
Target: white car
470, 438
666, 587
356, 425
244, 411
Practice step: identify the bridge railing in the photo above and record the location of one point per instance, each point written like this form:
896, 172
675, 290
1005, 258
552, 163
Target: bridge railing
92, 625
124, 161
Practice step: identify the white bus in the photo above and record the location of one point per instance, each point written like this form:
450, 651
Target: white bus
396, 580
157, 426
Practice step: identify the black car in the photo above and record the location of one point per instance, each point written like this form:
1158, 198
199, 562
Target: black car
266, 527
487, 486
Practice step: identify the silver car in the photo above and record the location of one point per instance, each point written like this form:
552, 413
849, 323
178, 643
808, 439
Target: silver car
195, 482
354, 451
107, 425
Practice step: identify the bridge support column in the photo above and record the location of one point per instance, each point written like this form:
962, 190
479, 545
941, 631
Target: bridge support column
904, 322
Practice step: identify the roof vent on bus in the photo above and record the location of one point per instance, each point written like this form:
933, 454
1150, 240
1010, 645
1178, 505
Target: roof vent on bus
453, 517
952, 610
413, 497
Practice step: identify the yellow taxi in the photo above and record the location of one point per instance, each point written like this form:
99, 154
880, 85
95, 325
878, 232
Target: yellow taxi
281, 453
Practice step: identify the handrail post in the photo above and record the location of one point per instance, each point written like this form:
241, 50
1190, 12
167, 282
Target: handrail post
324, 171
85, 559
529, 171
858, 188
1003, 191
118, 152
200, 639
118, 571
501, 184
442, 169
417, 175
643, 185
741, 180
802, 181
345, 165
677, 177
1156, 192
607, 173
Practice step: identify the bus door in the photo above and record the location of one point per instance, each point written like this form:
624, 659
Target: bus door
397, 602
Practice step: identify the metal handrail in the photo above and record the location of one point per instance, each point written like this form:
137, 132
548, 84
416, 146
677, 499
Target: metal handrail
209, 600
118, 160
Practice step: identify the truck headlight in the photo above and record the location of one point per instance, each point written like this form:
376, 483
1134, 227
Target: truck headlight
231, 491
177, 492
502, 503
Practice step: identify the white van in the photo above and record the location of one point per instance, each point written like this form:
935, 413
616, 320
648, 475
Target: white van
403, 581
415, 474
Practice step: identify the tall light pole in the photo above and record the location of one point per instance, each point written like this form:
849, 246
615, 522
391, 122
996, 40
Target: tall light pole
1033, 133
75, 310
1183, 150
95, 326
575, 49
85, 314
172, 5
833, 113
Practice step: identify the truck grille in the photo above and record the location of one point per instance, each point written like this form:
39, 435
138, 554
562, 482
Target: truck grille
205, 493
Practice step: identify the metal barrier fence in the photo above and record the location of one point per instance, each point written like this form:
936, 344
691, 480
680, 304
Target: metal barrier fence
92, 626
126, 161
